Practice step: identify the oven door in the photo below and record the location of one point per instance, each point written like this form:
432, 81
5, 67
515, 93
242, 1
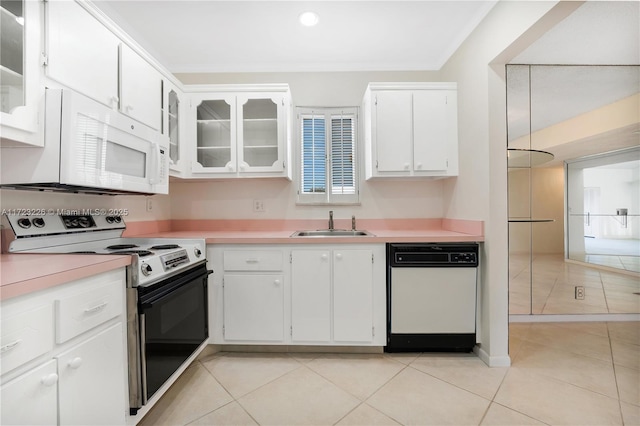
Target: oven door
173, 317
102, 148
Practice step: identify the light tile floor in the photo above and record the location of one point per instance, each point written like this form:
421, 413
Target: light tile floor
547, 286
561, 374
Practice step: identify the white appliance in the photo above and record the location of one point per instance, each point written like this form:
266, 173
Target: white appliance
431, 295
89, 148
167, 289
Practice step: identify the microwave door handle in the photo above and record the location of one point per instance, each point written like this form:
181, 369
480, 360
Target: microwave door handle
156, 158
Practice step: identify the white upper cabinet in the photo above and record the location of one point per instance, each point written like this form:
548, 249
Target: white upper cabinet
87, 56
82, 53
411, 130
20, 83
240, 131
140, 88
173, 112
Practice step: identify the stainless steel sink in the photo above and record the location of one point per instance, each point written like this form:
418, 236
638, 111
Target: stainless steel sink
332, 233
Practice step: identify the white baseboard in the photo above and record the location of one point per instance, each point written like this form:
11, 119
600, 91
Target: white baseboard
574, 318
492, 361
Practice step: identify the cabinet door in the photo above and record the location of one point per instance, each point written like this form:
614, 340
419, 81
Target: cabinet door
140, 89
82, 53
173, 113
311, 295
253, 307
352, 295
431, 136
92, 387
261, 132
393, 130
215, 119
31, 399
20, 89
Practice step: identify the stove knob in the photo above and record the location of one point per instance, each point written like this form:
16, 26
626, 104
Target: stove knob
38, 222
84, 222
197, 252
24, 222
117, 219
146, 269
110, 219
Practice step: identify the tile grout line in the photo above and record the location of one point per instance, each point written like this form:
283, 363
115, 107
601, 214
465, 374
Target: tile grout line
237, 400
615, 376
373, 393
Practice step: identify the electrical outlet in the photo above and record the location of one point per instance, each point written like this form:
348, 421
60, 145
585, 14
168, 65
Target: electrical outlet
258, 205
149, 204
579, 292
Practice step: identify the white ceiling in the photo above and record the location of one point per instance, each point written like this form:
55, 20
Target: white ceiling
256, 36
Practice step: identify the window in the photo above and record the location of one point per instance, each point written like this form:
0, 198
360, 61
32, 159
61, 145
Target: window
328, 169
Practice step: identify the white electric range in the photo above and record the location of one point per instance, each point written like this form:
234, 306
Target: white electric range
166, 294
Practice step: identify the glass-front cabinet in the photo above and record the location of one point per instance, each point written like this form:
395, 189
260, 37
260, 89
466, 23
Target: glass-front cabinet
241, 133
20, 71
215, 151
172, 126
259, 132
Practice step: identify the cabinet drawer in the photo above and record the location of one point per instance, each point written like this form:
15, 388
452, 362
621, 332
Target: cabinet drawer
25, 336
253, 260
80, 312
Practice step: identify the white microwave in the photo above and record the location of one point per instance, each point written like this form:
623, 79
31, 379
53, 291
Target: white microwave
90, 148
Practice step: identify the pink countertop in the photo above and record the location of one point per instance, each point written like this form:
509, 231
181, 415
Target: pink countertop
284, 237
25, 273
279, 231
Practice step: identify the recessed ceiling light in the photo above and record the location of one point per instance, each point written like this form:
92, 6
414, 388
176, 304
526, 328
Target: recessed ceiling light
308, 19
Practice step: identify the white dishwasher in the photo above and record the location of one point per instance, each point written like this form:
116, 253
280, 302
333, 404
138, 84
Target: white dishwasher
431, 296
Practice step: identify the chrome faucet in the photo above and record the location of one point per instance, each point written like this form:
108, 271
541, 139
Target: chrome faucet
331, 220
353, 222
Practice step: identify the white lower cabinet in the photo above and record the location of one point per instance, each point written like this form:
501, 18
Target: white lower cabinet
90, 390
63, 354
332, 295
253, 307
353, 287
302, 294
311, 295
32, 398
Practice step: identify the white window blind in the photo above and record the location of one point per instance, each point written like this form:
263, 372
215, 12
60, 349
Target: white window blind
328, 169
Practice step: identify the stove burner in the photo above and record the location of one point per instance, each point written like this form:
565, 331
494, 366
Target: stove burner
164, 247
121, 246
141, 253
83, 252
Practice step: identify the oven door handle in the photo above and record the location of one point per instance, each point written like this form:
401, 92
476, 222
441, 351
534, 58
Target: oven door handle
147, 301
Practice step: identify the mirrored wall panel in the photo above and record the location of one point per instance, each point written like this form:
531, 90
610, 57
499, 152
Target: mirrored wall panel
567, 213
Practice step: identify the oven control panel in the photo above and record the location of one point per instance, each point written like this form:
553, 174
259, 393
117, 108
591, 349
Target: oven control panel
78, 221
175, 259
